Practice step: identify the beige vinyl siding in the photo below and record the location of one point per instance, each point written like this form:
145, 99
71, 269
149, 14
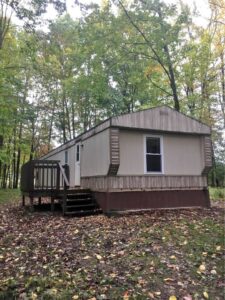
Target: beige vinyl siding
58, 156
161, 118
131, 153
182, 154
95, 155
71, 161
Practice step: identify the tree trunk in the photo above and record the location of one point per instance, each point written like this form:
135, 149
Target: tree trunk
170, 66
223, 85
17, 168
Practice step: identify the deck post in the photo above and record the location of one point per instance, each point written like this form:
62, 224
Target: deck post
39, 200
32, 204
23, 200
64, 203
65, 187
52, 204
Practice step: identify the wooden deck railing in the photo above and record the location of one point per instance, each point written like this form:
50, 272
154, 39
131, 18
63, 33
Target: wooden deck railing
44, 176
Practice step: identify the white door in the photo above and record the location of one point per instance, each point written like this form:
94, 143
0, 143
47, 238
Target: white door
77, 164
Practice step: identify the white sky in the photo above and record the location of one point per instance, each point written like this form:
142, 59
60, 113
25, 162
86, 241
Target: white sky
202, 7
73, 10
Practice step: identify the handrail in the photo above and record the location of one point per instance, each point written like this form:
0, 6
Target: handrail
66, 181
44, 175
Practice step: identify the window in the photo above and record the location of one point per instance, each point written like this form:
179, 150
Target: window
78, 153
153, 150
66, 157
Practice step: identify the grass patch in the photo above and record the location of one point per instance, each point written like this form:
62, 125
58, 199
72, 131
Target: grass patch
217, 193
9, 195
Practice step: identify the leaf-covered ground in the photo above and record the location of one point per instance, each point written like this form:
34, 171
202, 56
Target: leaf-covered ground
153, 255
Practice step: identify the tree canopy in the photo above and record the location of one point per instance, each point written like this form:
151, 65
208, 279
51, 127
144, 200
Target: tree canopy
119, 57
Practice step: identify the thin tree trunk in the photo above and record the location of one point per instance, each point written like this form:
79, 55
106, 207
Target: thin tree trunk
63, 121
73, 120
4, 178
9, 177
5, 18
17, 168
14, 156
32, 142
67, 116
170, 67
51, 125
223, 85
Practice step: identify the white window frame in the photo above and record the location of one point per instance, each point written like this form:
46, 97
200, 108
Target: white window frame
161, 153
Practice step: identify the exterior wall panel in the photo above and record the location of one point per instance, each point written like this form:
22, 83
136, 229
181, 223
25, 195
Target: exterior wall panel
182, 154
131, 153
71, 161
58, 156
95, 155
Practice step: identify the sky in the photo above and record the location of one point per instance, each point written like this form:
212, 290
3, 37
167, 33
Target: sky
202, 7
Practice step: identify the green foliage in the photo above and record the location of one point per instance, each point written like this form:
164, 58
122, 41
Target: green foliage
9, 195
217, 175
217, 193
115, 59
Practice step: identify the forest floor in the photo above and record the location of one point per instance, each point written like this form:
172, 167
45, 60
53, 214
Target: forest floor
152, 255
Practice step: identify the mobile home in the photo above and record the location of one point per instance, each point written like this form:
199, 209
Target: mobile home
154, 158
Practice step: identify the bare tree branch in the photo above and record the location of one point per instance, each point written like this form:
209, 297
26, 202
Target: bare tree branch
145, 38
159, 87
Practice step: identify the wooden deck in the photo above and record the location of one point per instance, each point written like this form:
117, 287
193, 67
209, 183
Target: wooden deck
50, 180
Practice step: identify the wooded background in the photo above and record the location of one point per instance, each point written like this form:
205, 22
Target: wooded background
120, 56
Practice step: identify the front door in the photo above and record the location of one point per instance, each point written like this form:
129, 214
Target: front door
77, 164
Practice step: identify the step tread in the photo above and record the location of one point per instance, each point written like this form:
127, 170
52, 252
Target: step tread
74, 195
82, 205
79, 199
83, 212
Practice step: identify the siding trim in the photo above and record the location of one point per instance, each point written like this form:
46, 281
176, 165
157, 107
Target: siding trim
122, 183
207, 155
114, 147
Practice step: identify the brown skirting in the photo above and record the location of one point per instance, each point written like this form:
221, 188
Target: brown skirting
139, 200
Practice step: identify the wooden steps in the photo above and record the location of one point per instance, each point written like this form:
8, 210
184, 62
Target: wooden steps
78, 202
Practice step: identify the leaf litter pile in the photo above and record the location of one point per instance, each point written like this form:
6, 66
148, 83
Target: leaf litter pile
170, 254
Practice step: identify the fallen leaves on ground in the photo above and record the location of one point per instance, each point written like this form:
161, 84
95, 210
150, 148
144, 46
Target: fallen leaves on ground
171, 254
